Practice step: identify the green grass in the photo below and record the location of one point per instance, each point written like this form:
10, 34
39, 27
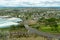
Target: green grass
44, 28
48, 29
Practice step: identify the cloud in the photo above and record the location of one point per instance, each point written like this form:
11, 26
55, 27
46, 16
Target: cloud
31, 3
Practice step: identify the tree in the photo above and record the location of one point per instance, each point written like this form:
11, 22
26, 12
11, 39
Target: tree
12, 27
52, 23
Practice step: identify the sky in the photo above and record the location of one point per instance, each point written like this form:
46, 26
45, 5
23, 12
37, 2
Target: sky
29, 3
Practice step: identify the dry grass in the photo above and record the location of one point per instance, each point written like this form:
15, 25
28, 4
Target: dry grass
29, 38
31, 22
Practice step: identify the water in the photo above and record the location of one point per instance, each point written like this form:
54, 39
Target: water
7, 22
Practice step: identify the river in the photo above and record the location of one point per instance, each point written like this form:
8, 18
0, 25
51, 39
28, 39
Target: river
7, 22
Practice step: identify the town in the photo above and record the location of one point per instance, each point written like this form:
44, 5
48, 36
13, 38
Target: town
42, 19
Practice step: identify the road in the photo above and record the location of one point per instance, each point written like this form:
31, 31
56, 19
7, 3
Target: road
40, 33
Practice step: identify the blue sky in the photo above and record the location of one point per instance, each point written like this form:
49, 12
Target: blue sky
29, 3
